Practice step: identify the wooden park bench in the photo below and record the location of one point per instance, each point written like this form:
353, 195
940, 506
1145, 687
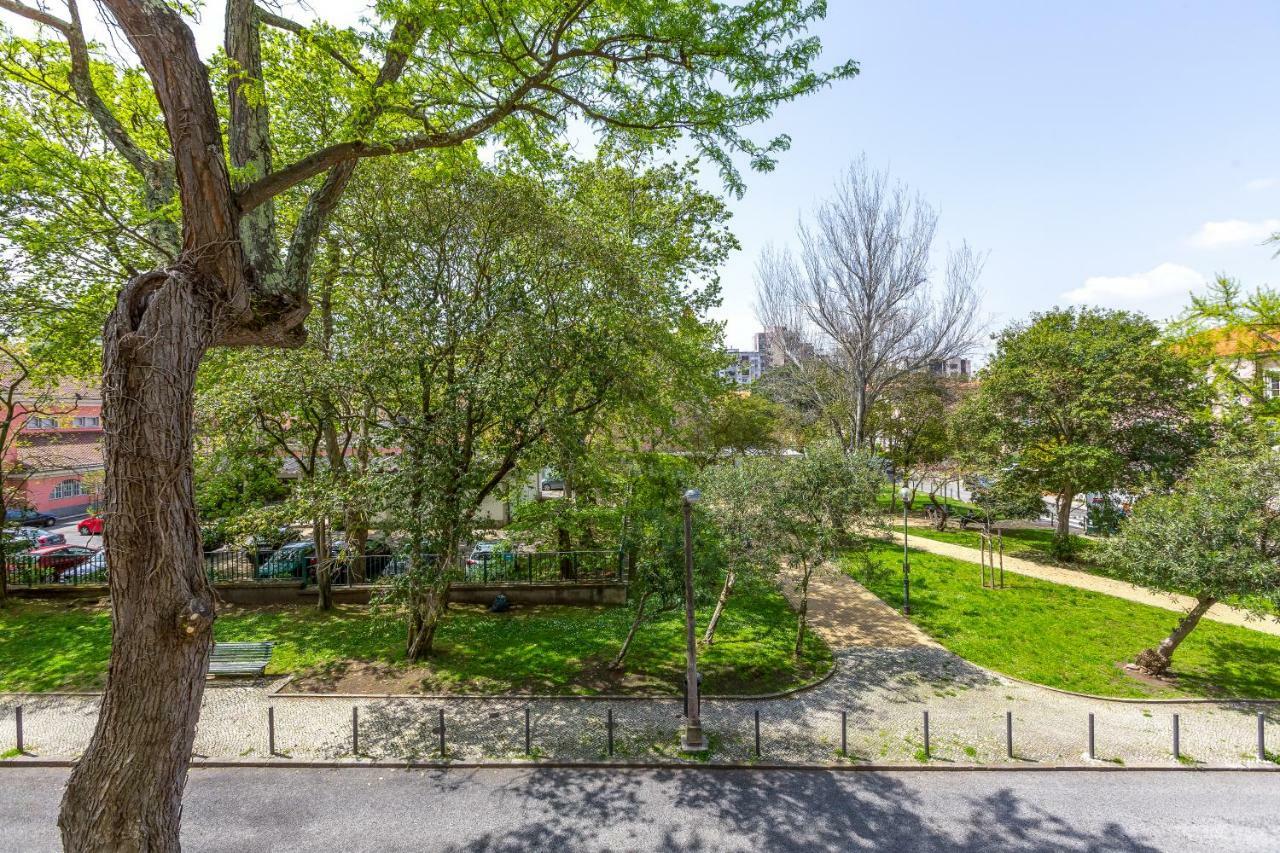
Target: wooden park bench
239, 658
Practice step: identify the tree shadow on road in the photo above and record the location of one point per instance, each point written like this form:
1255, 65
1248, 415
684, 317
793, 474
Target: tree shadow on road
775, 811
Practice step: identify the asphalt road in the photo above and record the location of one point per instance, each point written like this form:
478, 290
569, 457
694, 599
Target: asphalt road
68, 529
370, 809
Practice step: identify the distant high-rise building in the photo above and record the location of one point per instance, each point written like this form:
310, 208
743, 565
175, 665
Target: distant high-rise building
960, 368
777, 343
745, 369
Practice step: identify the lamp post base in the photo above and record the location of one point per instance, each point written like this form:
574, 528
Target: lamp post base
693, 741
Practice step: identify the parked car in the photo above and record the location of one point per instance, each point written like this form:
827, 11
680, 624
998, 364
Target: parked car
298, 560
39, 538
553, 484
289, 561
92, 570
29, 517
56, 558
91, 526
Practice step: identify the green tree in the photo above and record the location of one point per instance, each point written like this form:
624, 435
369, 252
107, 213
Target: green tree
732, 500
731, 424
1085, 400
910, 424
1215, 536
252, 211
502, 312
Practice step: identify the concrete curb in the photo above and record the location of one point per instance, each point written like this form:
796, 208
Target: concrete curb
349, 764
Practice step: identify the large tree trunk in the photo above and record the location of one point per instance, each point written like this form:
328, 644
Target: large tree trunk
1158, 660
802, 609
564, 544
725, 591
324, 564
428, 608
1062, 531
125, 794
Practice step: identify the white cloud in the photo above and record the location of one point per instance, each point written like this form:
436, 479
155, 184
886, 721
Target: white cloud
1260, 184
1160, 291
1233, 232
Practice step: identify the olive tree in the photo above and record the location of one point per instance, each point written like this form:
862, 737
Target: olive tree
1216, 535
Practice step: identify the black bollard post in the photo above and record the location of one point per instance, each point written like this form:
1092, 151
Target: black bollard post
1262, 737
1177, 747
17, 720
528, 733
926, 736
355, 731
844, 733
1008, 733
442, 732
609, 726
757, 733
271, 730
1091, 737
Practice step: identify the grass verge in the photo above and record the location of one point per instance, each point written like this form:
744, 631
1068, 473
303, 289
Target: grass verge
52, 646
1069, 638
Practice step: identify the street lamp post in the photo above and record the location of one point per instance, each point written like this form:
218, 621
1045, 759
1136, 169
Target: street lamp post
906, 558
692, 740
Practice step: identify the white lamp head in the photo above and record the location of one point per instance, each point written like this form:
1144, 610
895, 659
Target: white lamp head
692, 496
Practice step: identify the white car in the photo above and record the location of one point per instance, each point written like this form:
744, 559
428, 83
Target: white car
92, 570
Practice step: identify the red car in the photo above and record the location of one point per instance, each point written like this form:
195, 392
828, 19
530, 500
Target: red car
59, 558
91, 526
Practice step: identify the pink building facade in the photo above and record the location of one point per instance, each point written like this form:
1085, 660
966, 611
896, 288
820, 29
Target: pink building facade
56, 464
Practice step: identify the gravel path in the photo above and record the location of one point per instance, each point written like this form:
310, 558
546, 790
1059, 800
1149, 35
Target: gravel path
1107, 586
887, 675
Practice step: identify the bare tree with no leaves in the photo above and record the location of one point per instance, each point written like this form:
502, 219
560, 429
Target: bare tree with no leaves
861, 300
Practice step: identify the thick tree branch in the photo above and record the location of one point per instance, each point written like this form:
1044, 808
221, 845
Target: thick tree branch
248, 133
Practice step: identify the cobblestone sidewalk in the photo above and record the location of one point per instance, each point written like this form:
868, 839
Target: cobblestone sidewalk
882, 691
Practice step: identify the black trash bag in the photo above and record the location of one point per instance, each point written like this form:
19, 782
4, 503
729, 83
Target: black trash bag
500, 604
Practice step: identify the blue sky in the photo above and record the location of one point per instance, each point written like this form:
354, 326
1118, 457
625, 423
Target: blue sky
1085, 146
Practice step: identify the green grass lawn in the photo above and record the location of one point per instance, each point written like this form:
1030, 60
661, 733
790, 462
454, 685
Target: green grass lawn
1034, 544
1026, 543
887, 496
1065, 637
53, 646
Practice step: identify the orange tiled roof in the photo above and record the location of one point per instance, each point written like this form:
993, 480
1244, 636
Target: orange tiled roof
1240, 341
59, 455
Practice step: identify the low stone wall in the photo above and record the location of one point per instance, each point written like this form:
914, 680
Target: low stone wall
578, 594
584, 594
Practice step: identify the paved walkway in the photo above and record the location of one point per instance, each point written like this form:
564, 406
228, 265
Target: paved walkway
845, 614
1108, 586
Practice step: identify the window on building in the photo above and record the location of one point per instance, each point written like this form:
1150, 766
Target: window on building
67, 489
42, 423
86, 422
1272, 385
